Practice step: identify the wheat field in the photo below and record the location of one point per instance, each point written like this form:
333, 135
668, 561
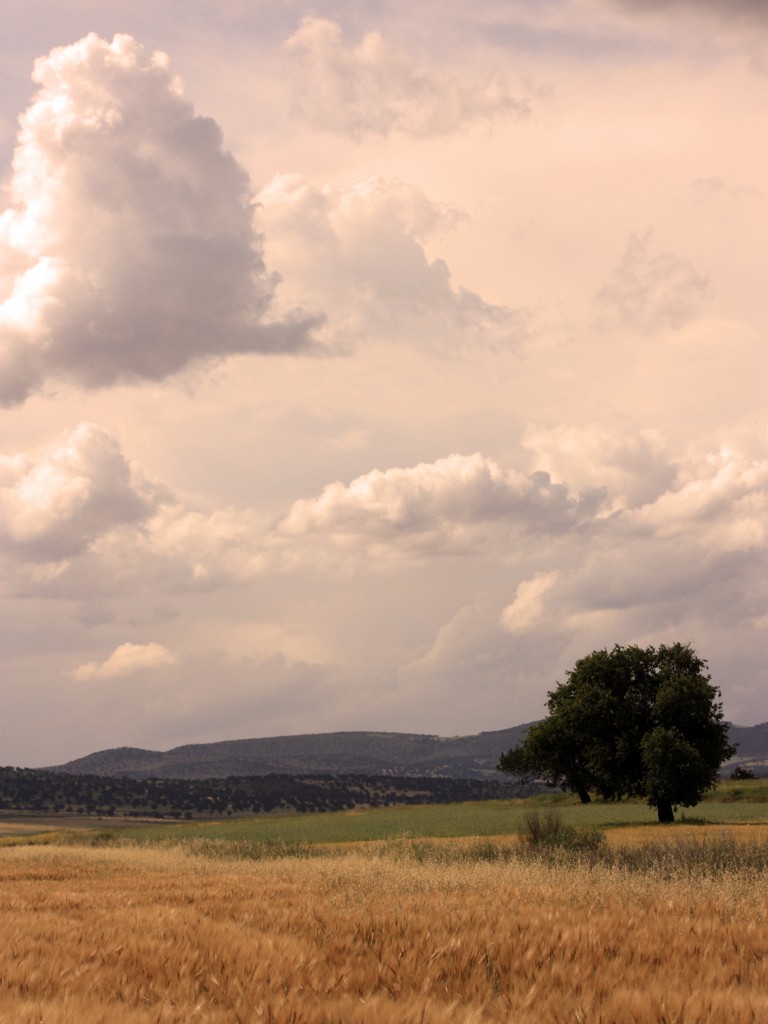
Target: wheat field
139, 935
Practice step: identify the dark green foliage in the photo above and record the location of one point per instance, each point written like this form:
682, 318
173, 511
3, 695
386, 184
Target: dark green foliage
46, 792
740, 774
675, 771
631, 722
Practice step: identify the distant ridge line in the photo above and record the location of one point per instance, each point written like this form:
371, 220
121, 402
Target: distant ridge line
351, 752
363, 752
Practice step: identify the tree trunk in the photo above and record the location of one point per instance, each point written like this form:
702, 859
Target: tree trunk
666, 814
583, 795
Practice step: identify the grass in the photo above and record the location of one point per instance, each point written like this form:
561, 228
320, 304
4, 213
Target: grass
396, 932
540, 912
491, 818
753, 790
736, 804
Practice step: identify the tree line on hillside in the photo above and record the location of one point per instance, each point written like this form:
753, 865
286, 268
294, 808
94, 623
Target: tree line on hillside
43, 792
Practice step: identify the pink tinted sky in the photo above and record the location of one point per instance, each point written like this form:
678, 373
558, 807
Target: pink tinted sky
363, 366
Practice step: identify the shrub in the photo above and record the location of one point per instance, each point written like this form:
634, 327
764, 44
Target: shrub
546, 830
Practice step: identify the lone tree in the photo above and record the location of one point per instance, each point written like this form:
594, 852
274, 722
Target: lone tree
634, 721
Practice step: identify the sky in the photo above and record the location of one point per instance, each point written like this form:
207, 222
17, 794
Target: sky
363, 366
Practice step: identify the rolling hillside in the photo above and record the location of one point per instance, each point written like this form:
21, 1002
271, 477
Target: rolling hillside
364, 753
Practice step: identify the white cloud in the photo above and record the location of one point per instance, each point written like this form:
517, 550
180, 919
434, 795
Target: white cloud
634, 467
126, 660
127, 249
81, 515
198, 549
359, 253
723, 497
55, 505
440, 507
528, 606
376, 88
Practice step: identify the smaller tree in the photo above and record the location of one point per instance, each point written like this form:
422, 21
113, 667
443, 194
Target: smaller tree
741, 774
674, 771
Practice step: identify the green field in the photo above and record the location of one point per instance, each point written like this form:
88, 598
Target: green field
738, 804
493, 818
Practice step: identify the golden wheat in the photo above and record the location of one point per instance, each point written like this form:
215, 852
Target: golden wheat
131, 936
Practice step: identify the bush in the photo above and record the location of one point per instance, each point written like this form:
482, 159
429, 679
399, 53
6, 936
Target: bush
546, 830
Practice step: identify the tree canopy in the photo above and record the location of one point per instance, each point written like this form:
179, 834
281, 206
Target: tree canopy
633, 721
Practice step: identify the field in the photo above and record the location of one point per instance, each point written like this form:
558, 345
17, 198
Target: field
731, 803
259, 922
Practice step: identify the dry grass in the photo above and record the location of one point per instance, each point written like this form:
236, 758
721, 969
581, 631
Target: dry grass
133, 936
643, 834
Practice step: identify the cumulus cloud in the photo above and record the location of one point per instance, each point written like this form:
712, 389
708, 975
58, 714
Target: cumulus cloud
55, 505
80, 511
198, 548
471, 506
127, 249
438, 506
723, 496
528, 606
359, 254
126, 660
649, 292
80, 519
375, 88
635, 468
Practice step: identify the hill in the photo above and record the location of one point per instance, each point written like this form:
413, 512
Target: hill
361, 753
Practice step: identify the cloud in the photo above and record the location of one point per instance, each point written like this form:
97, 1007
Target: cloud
634, 468
54, 506
652, 292
474, 662
80, 520
80, 513
126, 660
162, 698
528, 606
127, 249
197, 548
359, 254
438, 507
374, 88
724, 497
